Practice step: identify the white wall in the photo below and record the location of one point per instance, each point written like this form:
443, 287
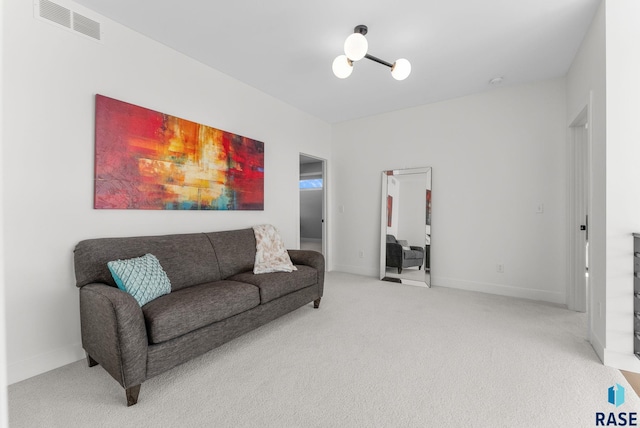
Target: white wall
622, 176
607, 67
51, 76
495, 157
585, 81
4, 420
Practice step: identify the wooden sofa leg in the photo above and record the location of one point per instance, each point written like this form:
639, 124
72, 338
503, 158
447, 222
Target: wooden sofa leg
91, 361
316, 303
132, 395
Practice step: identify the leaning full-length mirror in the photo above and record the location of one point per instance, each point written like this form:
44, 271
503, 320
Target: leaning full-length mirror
405, 238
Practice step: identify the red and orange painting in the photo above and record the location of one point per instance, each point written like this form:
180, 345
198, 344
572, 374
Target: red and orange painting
153, 161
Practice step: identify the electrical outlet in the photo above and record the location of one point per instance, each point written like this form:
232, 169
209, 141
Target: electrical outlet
500, 268
361, 254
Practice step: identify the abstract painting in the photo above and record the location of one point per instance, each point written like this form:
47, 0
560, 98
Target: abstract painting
149, 160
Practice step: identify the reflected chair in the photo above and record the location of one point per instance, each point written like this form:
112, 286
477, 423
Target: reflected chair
400, 255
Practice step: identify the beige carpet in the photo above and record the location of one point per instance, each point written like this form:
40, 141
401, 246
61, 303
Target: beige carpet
376, 354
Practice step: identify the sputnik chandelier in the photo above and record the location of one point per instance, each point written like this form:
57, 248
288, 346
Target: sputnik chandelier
355, 48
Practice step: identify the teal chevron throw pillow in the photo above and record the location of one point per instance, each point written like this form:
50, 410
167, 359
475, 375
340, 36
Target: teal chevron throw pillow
142, 277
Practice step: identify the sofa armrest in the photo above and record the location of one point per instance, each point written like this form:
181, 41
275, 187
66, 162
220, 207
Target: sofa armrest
394, 254
114, 332
310, 258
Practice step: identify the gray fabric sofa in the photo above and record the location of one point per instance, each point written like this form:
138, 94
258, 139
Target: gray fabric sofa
215, 297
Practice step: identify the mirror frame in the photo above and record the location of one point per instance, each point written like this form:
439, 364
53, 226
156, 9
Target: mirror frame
383, 227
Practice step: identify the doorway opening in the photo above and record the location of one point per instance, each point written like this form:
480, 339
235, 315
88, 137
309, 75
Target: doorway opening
578, 214
313, 196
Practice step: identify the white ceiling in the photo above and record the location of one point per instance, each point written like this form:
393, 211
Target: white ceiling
285, 47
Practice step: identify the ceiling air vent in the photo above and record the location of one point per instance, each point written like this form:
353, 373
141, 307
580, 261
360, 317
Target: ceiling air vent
86, 26
55, 12
60, 15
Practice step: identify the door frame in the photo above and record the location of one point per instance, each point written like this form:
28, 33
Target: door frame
578, 175
325, 199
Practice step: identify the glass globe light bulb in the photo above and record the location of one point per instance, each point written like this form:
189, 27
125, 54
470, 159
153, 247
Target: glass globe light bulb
356, 46
342, 67
401, 69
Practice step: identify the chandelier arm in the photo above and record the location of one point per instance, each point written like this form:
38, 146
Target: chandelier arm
378, 60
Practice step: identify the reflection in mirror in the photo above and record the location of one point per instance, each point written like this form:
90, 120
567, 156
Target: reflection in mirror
405, 244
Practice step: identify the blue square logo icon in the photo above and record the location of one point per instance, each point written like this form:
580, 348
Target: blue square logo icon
616, 395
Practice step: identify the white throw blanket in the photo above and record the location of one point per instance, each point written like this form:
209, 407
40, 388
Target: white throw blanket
271, 255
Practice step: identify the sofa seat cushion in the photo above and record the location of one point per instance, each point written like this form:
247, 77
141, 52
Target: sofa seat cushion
190, 308
413, 254
276, 284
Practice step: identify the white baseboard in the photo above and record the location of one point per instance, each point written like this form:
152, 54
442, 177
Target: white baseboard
597, 346
39, 364
621, 361
357, 270
501, 290
482, 287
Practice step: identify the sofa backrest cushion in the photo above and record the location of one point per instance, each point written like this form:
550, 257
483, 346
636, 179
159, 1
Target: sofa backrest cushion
188, 259
235, 251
